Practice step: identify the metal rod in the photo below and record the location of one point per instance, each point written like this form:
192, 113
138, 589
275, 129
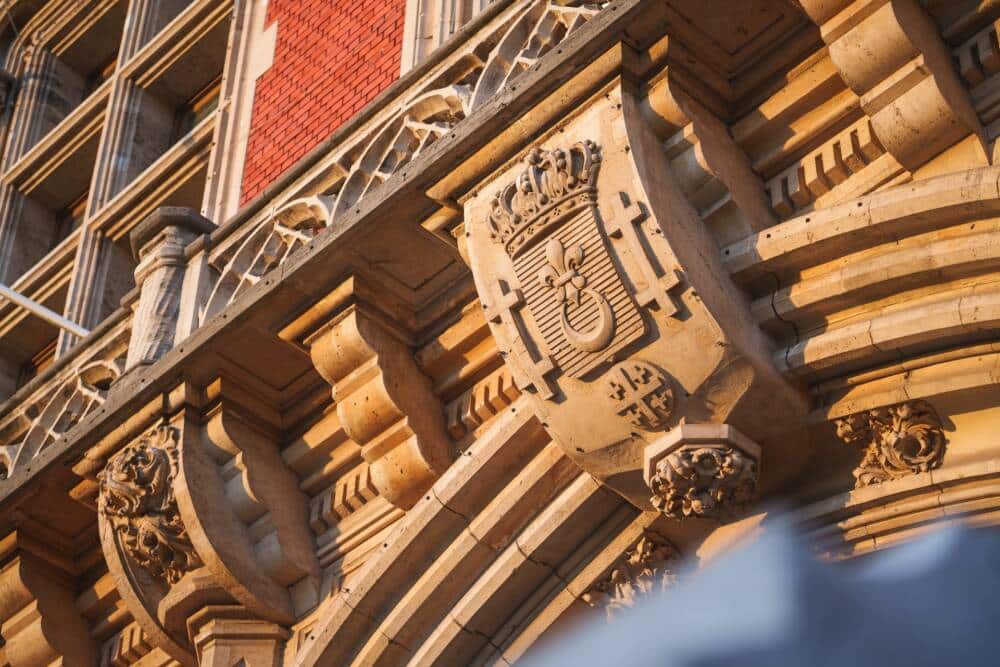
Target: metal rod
49, 316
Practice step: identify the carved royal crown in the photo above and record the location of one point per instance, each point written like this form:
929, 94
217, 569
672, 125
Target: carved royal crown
555, 185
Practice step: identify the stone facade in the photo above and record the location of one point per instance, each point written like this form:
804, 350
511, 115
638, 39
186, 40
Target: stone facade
571, 301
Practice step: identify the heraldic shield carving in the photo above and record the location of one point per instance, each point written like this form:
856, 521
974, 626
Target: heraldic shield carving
609, 303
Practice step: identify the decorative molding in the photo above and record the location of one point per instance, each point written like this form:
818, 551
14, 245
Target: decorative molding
899, 440
481, 403
649, 566
706, 471
825, 169
351, 492
137, 499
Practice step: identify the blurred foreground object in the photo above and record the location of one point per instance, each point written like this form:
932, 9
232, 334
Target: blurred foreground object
931, 602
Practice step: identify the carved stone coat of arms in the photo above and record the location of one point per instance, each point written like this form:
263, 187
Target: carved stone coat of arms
609, 304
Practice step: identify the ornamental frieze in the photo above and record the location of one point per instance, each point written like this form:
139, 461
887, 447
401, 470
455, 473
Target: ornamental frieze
610, 305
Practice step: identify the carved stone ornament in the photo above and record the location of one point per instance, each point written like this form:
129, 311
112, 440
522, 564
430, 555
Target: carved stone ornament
137, 499
611, 306
647, 567
900, 440
702, 470
641, 393
545, 219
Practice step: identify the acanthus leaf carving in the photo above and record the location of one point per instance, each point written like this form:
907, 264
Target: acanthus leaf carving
899, 440
137, 499
647, 567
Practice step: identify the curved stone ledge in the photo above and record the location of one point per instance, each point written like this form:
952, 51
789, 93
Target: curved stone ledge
883, 217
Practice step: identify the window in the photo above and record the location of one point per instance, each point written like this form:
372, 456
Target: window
196, 109
69, 218
34, 366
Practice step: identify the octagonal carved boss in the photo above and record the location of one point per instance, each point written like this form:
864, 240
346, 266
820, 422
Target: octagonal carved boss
610, 304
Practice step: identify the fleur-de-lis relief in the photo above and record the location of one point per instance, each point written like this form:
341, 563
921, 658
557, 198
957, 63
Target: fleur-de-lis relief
562, 274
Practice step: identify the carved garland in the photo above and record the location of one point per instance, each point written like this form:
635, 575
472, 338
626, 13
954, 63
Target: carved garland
900, 440
708, 481
137, 499
647, 567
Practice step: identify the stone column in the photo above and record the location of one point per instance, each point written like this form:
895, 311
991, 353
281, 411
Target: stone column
158, 244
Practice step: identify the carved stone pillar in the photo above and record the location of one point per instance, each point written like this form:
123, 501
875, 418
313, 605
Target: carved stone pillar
385, 403
158, 246
225, 636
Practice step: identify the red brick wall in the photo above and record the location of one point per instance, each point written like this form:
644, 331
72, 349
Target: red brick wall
330, 59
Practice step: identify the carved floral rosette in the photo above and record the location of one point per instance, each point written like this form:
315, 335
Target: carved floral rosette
137, 499
899, 440
647, 567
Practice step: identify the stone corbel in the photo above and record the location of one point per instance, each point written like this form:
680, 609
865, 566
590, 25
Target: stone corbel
608, 299
891, 54
706, 471
202, 510
158, 244
39, 620
710, 167
385, 403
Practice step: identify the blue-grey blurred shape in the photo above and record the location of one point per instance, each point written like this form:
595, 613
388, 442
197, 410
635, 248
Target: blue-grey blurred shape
935, 601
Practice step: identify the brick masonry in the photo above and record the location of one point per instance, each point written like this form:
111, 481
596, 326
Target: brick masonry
331, 58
